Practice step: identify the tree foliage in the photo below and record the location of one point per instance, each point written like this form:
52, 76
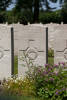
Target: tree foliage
32, 5
48, 17
64, 12
4, 4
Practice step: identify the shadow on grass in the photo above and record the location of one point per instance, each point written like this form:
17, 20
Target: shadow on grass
6, 97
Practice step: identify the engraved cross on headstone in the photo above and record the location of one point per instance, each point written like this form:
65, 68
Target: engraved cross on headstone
31, 50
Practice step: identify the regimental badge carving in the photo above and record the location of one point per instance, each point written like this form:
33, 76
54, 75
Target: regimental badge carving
32, 53
1, 52
65, 54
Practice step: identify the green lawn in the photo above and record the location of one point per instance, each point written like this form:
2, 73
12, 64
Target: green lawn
50, 61
18, 98
16, 65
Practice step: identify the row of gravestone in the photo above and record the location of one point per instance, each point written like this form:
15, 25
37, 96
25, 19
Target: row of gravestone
32, 46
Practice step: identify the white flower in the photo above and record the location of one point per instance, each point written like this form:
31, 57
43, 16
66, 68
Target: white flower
15, 81
8, 87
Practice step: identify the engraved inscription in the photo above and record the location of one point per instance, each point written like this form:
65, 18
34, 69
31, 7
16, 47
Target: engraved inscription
32, 53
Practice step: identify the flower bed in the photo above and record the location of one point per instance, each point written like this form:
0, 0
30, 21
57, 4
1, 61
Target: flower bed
48, 82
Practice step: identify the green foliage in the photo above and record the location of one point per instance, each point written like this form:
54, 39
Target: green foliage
25, 17
22, 17
3, 17
51, 81
64, 13
25, 9
50, 53
15, 65
29, 5
12, 17
4, 4
19, 86
13, 97
24, 4
55, 1
47, 17
51, 60
47, 82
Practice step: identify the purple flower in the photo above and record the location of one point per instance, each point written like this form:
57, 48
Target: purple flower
46, 80
56, 73
46, 65
49, 69
63, 89
39, 70
57, 92
51, 79
63, 63
45, 72
59, 63
56, 65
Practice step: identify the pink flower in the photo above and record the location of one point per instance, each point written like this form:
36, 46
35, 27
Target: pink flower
46, 65
51, 79
63, 63
56, 65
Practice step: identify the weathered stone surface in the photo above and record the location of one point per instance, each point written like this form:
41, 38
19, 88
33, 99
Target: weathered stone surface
60, 45
31, 41
5, 52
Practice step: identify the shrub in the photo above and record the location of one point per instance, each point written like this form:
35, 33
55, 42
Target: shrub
51, 82
64, 13
25, 17
47, 17
47, 82
19, 86
3, 17
50, 53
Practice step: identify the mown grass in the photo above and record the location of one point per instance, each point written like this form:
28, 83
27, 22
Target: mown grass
50, 61
2, 97
15, 65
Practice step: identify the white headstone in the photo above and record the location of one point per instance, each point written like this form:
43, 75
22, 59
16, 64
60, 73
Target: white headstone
60, 45
31, 46
5, 52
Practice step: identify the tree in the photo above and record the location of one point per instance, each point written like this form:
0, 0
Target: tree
4, 4
23, 4
32, 5
64, 13
54, 1
60, 1
37, 5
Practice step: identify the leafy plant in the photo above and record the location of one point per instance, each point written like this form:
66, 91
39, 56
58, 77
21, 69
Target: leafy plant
19, 86
50, 53
51, 81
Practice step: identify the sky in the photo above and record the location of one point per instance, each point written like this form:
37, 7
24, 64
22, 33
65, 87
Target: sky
12, 5
57, 5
